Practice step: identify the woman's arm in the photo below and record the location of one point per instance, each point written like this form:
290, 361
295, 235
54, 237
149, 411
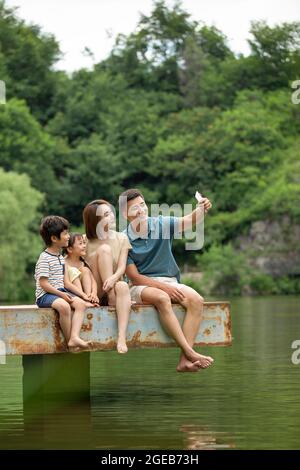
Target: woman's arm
110, 282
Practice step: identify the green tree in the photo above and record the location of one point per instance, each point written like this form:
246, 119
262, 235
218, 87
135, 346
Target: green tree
19, 244
150, 56
27, 148
94, 173
26, 59
276, 53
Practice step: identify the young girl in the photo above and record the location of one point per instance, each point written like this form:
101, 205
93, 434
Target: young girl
107, 252
79, 278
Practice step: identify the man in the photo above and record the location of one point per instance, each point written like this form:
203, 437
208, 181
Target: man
154, 275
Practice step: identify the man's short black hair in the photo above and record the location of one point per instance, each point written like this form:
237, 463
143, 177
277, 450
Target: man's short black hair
52, 225
127, 196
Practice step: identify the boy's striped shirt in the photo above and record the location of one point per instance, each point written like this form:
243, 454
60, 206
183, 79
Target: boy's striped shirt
52, 267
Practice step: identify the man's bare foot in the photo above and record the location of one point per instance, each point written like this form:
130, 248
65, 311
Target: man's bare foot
188, 366
121, 346
204, 361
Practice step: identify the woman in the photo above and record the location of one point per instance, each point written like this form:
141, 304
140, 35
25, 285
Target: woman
106, 254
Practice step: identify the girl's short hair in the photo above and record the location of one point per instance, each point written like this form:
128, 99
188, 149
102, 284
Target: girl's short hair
91, 219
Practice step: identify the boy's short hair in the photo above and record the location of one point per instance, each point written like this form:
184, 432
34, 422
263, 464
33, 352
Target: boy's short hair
52, 225
127, 196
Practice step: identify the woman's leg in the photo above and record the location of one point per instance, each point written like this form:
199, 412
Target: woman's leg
123, 307
105, 269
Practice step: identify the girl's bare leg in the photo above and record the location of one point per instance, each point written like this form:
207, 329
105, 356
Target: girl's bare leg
86, 280
123, 307
77, 283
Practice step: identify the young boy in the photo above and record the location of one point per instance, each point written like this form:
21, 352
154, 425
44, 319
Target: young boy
50, 276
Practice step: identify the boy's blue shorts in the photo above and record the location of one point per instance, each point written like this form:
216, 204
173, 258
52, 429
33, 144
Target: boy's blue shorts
47, 300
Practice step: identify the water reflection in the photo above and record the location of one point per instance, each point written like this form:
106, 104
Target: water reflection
201, 438
56, 402
247, 400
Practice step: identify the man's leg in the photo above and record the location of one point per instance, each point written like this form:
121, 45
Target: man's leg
161, 300
193, 304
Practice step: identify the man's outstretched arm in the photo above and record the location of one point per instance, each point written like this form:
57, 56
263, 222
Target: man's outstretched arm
196, 217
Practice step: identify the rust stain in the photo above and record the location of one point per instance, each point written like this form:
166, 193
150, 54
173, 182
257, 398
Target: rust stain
86, 327
151, 344
228, 329
26, 347
10, 320
215, 343
135, 339
153, 333
109, 345
60, 344
55, 343
218, 319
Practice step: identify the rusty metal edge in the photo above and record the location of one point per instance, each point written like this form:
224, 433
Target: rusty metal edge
8, 308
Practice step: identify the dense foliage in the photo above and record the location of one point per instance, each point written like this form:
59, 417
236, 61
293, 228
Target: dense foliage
172, 109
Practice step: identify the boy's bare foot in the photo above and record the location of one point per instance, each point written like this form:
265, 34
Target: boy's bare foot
122, 346
77, 345
89, 304
204, 361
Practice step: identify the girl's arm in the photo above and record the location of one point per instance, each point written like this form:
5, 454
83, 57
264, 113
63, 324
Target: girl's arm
71, 287
110, 282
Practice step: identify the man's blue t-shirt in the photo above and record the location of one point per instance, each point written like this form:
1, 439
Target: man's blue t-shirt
152, 254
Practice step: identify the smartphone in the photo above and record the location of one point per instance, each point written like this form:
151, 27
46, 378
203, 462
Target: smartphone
199, 197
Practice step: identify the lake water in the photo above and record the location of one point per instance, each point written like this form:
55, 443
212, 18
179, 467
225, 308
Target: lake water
249, 398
